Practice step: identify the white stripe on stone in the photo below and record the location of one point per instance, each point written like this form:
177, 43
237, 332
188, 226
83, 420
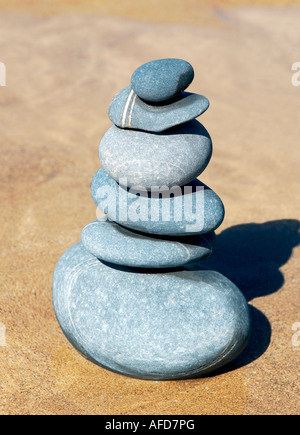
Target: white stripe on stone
126, 108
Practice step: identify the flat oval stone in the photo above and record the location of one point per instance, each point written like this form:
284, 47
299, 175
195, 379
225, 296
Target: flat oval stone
173, 158
160, 325
115, 244
162, 79
127, 110
193, 209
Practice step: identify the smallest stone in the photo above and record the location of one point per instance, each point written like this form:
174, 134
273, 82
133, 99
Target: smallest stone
162, 80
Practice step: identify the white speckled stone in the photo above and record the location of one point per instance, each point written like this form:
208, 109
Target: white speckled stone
115, 244
172, 158
167, 325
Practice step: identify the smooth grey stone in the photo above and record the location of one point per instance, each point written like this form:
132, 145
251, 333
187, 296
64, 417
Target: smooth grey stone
160, 325
113, 243
162, 79
193, 209
173, 158
127, 110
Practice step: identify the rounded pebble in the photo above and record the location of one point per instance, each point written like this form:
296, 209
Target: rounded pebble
193, 209
128, 111
160, 325
162, 79
173, 158
113, 243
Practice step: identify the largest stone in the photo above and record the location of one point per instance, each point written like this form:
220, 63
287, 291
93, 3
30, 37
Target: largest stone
169, 325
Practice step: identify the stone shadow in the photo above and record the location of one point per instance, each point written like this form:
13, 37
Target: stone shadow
251, 255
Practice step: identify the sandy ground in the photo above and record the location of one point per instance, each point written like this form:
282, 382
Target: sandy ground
165, 11
62, 72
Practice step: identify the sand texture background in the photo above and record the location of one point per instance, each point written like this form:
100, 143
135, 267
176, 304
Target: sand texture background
63, 66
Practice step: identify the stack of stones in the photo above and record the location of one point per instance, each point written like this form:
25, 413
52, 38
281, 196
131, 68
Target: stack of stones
132, 296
